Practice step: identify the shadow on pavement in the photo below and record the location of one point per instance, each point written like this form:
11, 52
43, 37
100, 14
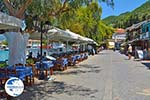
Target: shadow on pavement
50, 89
87, 66
79, 72
47, 89
102, 53
147, 64
81, 69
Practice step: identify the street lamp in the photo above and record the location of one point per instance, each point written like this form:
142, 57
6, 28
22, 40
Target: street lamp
41, 27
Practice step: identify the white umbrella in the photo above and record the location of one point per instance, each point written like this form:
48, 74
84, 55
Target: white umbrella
37, 35
54, 30
79, 38
89, 40
73, 36
57, 34
9, 22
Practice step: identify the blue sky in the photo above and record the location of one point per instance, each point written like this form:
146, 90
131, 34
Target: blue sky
121, 6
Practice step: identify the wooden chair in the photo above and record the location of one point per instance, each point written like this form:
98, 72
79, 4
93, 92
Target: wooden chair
3, 76
71, 60
3, 79
57, 65
30, 78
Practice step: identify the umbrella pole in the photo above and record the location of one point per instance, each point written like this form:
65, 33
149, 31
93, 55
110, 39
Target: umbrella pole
41, 76
67, 46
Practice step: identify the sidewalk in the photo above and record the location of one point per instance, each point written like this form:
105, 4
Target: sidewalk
105, 76
78, 82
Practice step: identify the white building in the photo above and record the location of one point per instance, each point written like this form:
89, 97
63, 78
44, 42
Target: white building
33, 43
119, 34
119, 37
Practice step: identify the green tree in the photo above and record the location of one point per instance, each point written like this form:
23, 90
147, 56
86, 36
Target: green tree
5, 42
80, 16
19, 8
85, 21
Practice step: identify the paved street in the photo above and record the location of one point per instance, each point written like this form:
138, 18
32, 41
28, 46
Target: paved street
106, 76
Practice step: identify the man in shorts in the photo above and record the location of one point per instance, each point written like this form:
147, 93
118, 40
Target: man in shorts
129, 51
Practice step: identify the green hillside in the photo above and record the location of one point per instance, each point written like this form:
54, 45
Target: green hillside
109, 19
128, 18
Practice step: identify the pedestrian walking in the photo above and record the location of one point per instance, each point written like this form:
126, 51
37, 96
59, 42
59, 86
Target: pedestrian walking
129, 51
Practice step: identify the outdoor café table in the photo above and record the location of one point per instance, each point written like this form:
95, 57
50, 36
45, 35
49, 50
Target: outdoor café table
86, 55
62, 63
65, 61
78, 57
45, 66
72, 61
82, 56
21, 71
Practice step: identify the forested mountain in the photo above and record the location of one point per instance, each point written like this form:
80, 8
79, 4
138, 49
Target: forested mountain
128, 18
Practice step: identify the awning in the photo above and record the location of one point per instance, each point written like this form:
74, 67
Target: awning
79, 38
57, 34
74, 36
37, 35
9, 22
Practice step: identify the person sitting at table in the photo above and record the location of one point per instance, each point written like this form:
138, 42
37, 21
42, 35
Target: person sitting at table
30, 55
38, 55
44, 57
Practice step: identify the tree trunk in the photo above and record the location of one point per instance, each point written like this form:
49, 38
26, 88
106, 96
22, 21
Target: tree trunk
17, 46
16, 41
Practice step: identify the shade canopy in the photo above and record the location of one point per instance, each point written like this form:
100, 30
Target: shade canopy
91, 41
57, 34
9, 22
37, 35
54, 34
79, 38
88, 40
74, 36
